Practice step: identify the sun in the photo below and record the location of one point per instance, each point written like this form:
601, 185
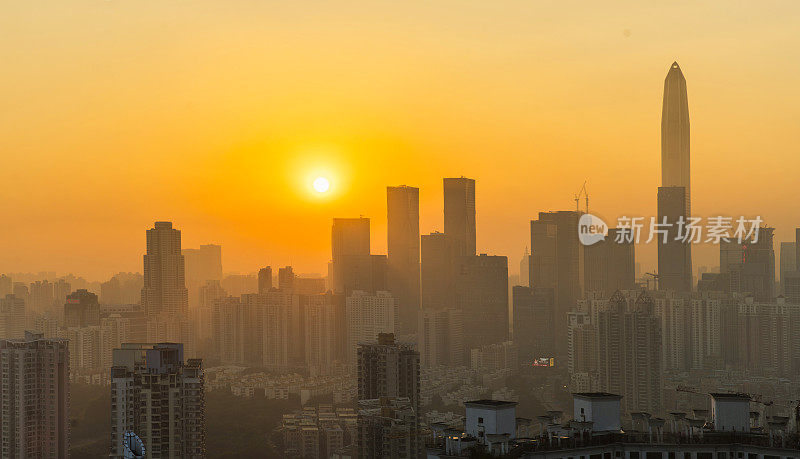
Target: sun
321, 185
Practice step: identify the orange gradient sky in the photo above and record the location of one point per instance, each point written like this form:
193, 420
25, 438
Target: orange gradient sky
218, 114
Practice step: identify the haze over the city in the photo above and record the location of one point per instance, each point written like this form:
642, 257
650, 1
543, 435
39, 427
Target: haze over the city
218, 116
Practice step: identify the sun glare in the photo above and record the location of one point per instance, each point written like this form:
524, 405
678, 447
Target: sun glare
321, 185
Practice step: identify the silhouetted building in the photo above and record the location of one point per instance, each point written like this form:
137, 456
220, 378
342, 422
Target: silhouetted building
388, 400
404, 253
34, 401
525, 269
674, 195
387, 368
788, 262
81, 309
481, 293
6, 285
12, 317
324, 331
674, 254
388, 427
630, 353
533, 322
459, 214
367, 316
122, 288
352, 267
286, 278
264, 279
675, 135
750, 266
437, 271
201, 265
609, 265
160, 398
440, 337
40, 297
349, 236
309, 285
557, 259
164, 288
240, 284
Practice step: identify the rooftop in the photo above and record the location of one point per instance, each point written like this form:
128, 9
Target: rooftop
597, 395
491, 403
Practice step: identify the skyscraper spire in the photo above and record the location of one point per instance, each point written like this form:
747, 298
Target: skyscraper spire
675, 131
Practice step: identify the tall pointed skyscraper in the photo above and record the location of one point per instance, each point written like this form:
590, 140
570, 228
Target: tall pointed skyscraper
674, 197
675, 131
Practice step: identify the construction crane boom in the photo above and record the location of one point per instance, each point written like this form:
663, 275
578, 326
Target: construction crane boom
582, 193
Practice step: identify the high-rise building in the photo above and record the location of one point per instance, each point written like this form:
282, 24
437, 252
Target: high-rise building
157, 396
240, 284
265, 279
6, 285
12, 317
674, 254
404, 252
89, 349
286, 278
582, 344
367, 316
525, 269
493, 357
61, 288
40, 297
164, 288
122, 288
675, 134
388, 427
674, 195
750, 265
349, 236
352, 267
629, 351
459, 214
389, 400
440, 337
208, 294
557, 259
34, 400
481, 293
324, 331
437, 271
81, 309
609, 265
533, 321
788, 262
387, 368
201, 265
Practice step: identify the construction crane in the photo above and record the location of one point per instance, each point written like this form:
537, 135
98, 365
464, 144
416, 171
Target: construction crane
582, 193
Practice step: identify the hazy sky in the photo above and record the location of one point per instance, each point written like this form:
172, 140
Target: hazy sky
218, 114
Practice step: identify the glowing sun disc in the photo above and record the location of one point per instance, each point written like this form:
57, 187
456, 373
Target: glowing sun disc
321, 185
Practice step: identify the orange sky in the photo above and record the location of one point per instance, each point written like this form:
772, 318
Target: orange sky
217, 114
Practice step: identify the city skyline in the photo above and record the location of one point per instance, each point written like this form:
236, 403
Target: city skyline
265, 135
